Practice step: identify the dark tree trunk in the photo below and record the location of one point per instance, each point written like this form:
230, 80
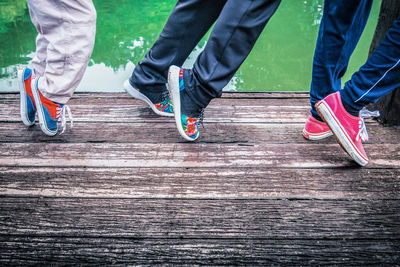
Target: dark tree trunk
389, 105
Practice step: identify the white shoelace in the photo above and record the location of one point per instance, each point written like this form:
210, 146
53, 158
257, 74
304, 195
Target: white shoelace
363, 133
61, 114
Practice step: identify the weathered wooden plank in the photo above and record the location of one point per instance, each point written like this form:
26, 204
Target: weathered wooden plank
252, 191
28, 250
200, 218
124, 109
166, 132
131, 110
241, 95
191, 155
127, 100
201, 183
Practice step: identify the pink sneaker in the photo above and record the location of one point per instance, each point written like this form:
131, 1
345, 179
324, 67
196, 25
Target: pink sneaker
315, 129
349, 131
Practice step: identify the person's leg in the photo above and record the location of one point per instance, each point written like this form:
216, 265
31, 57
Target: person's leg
376, 78
188, 23
69, 28
38, 63
37, 66
341, 27
232, 38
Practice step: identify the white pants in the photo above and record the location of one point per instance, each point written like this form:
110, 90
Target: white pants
66, 34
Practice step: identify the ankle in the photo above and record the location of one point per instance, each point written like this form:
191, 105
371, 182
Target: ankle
349, 108
317, 117
189, 107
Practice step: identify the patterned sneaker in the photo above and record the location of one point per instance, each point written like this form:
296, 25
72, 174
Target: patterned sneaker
349, 131
188, 127
315, 129
164, 108
27, 104
49, 112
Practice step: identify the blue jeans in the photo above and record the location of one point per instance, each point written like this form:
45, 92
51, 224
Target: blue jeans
341, 27
238, 24
379, 75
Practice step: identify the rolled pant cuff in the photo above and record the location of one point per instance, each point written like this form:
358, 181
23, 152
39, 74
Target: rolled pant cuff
194, 90
153, 88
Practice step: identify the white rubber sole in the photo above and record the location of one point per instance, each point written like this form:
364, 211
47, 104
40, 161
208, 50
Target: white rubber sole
341, 136
22, 99
316, 137
39, 108
174, 94
138, 95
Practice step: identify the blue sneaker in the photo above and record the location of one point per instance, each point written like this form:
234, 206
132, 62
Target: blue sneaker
188, 127
49, 112
164, 108
27, 104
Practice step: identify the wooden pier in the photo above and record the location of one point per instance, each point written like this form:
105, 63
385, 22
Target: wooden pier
122, 187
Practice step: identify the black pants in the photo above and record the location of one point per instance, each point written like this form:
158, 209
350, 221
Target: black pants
238, 24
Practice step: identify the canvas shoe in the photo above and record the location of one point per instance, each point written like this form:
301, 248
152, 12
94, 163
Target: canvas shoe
164, 108
350, 131
49, 112
315, 129
188, 127
27, 104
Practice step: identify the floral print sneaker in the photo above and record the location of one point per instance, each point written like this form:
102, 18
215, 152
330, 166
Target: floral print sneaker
164, 108
188, 127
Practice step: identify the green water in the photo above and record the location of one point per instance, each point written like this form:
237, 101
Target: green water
126, 29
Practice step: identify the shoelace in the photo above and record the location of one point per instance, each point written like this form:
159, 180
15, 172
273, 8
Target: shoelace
165, 97
363, 133
61, 114
200, 118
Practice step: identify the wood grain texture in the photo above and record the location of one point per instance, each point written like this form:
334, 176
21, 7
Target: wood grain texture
231, 95
201, 183
28, 250
201, 218
127, 109
123, 188
191, 155
166, 132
